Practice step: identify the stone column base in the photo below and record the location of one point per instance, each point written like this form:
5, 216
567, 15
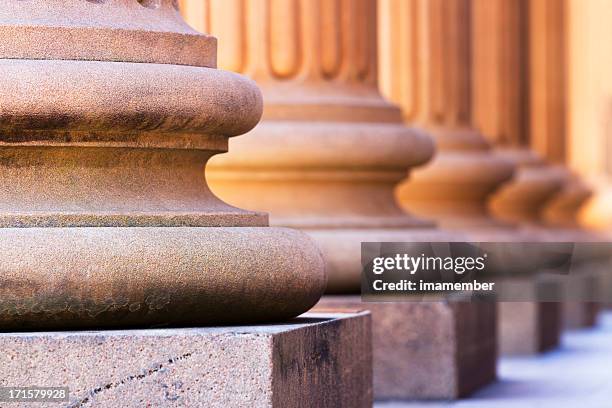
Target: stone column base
428, 350
317, 360
530, 327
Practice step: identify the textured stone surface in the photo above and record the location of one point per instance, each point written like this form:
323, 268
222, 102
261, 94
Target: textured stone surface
576, 375
107, 30
582, 292
428, 350
530, 327
330, 149
93, 277
341, 250
318, 360
429, 74
110, 111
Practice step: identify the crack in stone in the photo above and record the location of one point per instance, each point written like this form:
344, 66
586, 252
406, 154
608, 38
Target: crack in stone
157, 368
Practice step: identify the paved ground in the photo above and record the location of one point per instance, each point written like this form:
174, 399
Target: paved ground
577, 375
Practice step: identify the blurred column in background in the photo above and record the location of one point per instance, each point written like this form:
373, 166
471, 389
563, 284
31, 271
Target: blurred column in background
520, 98
326, 159
548, 105
552, 111
501, 111
501, 96
426, 67
330, 149
589, 111
588, 87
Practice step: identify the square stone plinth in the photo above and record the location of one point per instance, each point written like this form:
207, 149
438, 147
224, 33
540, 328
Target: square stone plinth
530, 327
582, 290
428, 350
317, 360
580, 315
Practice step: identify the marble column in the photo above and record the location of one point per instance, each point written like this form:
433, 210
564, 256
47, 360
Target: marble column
427, 70
109, 113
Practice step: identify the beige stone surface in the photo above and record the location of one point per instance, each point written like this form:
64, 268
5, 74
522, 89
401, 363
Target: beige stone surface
317, 360
126, 276
520, 103
589, 110
116, 30
330, 149
426, 68
428, 350
531, 327
110, 112
524, 199
341, 250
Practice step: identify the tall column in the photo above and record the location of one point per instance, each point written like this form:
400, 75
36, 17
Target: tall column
105, 217
548, 103
427, 69
330, 149
455, 68
589, 109
519, 87
519, 45
326, 158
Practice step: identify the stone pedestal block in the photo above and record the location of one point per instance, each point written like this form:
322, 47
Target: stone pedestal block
580, 310
530, 327
428, 350
317, 360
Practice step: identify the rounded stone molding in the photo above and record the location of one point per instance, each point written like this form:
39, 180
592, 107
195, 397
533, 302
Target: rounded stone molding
124, 103
564, 209
109, 277
341, 249
455, 188
110, 112
524, 198
106, 30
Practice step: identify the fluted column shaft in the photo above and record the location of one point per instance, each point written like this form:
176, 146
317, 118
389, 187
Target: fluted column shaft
517, 106
330, 150
427, 69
